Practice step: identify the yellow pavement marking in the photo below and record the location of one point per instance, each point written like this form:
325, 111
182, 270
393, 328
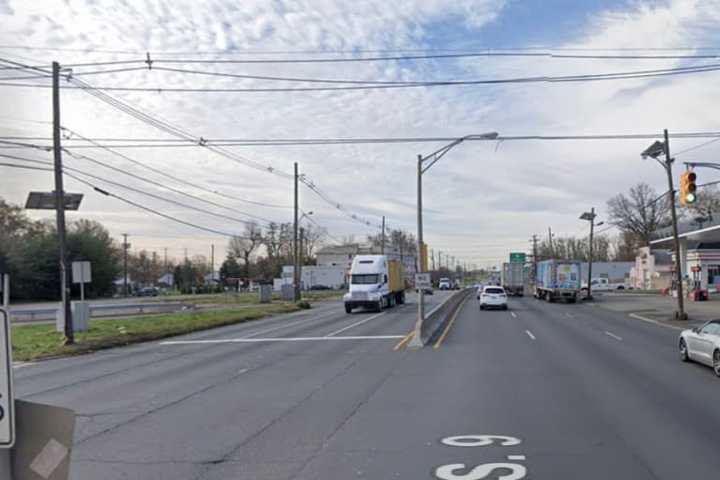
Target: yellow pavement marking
449, 325
406, 339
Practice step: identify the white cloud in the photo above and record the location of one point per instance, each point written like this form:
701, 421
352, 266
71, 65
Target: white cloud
475, 196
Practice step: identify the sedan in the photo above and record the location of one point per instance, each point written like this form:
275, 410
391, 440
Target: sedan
493, 297
702, 344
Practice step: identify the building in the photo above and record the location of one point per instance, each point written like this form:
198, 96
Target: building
699, 252
652, 269
615, 272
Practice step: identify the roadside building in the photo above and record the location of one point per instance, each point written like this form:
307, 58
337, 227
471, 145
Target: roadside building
699, 253
314, 277
615, 272
652, 269
342, 256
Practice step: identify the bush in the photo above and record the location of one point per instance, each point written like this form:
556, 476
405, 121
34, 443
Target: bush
303, 304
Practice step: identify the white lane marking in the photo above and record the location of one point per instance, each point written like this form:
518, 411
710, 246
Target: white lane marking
286, 325
529, 334
610, 334
513, 314
355, 324
281, 339
650, 320
22, 364
516, 457
49, 458
568, 315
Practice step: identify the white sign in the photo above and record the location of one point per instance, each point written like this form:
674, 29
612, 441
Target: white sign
81, 272
7, 404
423, 280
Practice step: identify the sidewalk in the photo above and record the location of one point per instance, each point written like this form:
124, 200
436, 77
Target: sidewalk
660, 308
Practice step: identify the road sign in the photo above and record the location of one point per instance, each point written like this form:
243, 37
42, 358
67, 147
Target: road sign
422, 280
7, 404
81, 272
518, 257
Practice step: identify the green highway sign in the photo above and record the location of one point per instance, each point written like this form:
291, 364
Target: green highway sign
517, 257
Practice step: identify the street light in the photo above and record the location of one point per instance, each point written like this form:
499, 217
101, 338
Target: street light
423, 165
590, 216
654, 151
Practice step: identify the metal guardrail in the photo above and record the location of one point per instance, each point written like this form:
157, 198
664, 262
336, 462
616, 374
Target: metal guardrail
100, 310
438, 317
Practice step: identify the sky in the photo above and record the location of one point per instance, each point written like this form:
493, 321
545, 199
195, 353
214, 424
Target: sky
481, 201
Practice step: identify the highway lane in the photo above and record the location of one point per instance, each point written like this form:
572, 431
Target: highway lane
223, 408
574, 401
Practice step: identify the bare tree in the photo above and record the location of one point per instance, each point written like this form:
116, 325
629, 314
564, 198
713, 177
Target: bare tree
312, 239
243, 247
641, 212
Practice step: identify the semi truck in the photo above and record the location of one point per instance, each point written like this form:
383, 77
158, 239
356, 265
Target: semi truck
513, 278
558, 280
376, 282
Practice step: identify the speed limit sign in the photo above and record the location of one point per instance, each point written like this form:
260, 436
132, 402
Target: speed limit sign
7, 413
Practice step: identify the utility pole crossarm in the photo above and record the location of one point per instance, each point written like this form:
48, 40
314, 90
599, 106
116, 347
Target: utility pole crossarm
715, 166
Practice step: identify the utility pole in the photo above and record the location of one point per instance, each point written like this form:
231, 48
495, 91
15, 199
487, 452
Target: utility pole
165, 261
590, 251
681, 315
186, 259
382, 244
125, 249
301, 260
212, 261
60, 207
296, 268
552, 249
535, 256
432, 258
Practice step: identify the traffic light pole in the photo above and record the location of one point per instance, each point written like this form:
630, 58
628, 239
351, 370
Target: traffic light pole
680, 314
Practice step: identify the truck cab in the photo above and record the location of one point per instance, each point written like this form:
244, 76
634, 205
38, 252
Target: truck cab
444, 284
376, 282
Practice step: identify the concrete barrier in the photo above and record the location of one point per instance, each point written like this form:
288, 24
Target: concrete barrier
438, 317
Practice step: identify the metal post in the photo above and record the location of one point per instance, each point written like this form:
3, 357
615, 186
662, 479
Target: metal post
590, 259
82, 284
421, 294
6, 291
60, 206
680, 314
212, 262
125, 249
382, 244
6, 464
552, 250
296, 279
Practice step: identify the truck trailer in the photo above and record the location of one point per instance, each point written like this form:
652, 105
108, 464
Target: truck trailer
513, 278
558, 280
376, 282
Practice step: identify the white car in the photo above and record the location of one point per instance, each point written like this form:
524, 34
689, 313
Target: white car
702, 344
493, 297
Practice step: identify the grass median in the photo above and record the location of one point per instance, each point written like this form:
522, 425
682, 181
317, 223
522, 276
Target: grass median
33, 342
233, 298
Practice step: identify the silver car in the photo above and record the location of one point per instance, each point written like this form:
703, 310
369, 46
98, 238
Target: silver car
702, 345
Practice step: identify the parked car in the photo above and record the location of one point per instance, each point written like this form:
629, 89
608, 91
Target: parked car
702, 344
493, 297
148, 292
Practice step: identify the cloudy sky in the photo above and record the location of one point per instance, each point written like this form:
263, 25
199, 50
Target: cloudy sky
482, 200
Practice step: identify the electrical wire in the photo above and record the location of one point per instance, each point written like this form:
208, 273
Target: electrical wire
26, 167
172, 177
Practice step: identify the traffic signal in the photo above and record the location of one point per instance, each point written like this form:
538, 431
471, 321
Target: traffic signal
688, 188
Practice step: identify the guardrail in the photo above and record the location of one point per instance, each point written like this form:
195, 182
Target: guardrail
100, 310
437, 318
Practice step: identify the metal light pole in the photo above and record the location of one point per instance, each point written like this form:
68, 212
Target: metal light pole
590, 216
422, 167
654, 151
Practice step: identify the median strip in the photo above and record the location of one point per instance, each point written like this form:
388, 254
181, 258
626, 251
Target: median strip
278, 339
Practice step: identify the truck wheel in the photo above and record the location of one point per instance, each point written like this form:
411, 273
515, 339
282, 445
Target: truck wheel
548, 297
391, 301
379, 306
401, 298
348, 308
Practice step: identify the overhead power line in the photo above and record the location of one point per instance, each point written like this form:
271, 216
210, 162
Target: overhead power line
379, 84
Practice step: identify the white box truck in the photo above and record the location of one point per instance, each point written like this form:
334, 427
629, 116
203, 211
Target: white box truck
375, 282
558, 279
513, 278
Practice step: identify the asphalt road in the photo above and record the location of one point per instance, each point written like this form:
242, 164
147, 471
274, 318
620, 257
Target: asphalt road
574, 391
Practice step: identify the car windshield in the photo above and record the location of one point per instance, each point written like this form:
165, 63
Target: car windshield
365, 279
494, 290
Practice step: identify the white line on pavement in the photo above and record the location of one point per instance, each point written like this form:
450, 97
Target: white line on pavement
285, 325
529, 333
355, 324
22, 364
568, 315
513, 314
610, 334
650, 320
280, 339
516, 457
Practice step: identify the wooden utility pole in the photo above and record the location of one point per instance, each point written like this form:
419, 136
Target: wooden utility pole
550, 242
680, 314
125, 273
60, 208
382, 244
296, 268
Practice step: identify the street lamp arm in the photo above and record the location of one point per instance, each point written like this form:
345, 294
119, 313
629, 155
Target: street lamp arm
439, 153
716, 166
